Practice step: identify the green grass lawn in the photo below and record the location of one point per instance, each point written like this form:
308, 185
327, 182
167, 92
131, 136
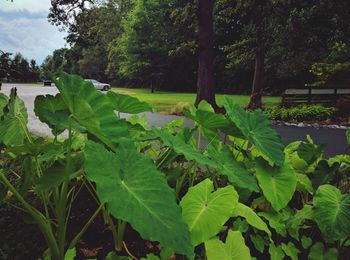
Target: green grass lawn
164, 101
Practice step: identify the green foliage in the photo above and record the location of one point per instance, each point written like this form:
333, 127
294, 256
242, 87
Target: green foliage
127, 104
233, 249
205, 210
235, 171
187, 188
131, 186
276, 252
252, 218
302, 113
3, 102
277, 183
331, 75
257, 129
332, 212
13, 123
53, 111
91, 109
181, 147
144, 44
318, 252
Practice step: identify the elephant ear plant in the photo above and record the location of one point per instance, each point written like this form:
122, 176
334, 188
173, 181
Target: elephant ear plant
224, 188
128, 183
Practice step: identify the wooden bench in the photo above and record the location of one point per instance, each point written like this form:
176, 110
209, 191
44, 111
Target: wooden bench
326, 96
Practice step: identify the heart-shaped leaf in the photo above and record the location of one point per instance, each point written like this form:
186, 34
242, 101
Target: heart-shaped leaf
3, 102
233, 249
256, 127
332, 211
92, 109
235, 171
53, 111
252, 218
181, 147
205, 210
277, 183
127, 104
13, 123
136, 192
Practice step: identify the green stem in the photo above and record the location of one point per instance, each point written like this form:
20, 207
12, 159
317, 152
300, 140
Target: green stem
120, 235
179, 184
62, 217
199, 139
25, 129
86, 226
165, 156
39, 218
343, 243
114, 230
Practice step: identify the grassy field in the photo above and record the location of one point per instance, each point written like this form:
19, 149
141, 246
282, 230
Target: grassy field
164, 101
36, 84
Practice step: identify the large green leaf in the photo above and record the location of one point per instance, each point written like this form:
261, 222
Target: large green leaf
290, 250
297, 220
276, 221
53, 111
127, 104
332, 211
181, 147
318, 252
276, 252
257, 129
57, 173
13, 125
3, 102
205, 117
205, 210
210, 122
252, 218
233, 249
235, 171
92, 109
136, 192
277, 183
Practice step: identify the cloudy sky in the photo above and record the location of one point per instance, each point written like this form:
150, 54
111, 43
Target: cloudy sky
24, 28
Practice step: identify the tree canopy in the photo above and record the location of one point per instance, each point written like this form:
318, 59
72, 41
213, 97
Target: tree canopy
259, 46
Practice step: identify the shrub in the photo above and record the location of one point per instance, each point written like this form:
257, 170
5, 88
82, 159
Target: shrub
180, 108
302, 113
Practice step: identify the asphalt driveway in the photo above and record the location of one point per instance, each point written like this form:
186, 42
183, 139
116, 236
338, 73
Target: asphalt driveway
334, 138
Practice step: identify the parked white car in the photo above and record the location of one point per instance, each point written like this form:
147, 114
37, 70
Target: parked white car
99, 85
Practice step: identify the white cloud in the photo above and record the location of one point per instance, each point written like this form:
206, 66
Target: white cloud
27, 30
30, 5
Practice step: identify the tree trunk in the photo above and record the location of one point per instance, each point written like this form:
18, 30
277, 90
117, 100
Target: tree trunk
258, 81
205, 82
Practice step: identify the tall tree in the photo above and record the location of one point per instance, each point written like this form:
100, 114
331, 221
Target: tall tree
5, 65
205, 82
142, 49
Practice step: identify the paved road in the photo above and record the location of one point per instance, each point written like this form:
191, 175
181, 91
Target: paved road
333, 138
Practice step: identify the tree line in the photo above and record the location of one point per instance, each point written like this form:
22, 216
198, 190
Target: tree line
16, 68
257, 46
237, 46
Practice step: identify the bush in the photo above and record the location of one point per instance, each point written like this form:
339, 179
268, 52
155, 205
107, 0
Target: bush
179, 109
302, 113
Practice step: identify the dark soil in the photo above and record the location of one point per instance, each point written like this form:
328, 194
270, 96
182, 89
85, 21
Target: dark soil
21, 239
